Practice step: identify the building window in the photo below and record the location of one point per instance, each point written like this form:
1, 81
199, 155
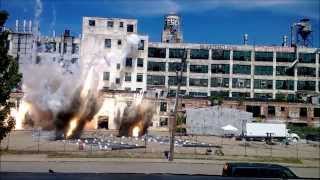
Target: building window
199, 54
173, 67
139, 78
263, 56
316, 112
198, 94
307, 71
285, 57
117, 80
92, 22
255, 110
283, 109
107, 43
65, 48
241, 83
176, 53
220, 82
198, 68
172, 81
128, 62
219, 54
242, 55
130, 28
307, 85
156, 66
75, 48
307, 57
74, 60
59, 47
163, 122
119, 42
285, 84
284, 71
241, 69
220, 93
263, 70
155, 80
271, 111
220, 68
262, 96
303, 112
110, 24
140, 62
198, 82
157, 52
262, 84
127, 77
118, 66
141, 45
240, 94
106, 76
163, 106
121, 25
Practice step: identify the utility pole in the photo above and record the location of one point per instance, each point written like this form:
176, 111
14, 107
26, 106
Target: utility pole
173, 124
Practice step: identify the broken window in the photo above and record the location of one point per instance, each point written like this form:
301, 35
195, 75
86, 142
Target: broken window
198, 68
220, 68
157, 52
285, 57
130, 28
107, 43
176, 53
285, 84
110, 24
139, 78
262, 84
198, 82
271, 111
242, 55
255, 110
198, 94
156, 80
163, 106
307, 71
219, 54
263, 70
307, 57
141, 45
156, 66
303, 112
163, 122
241, 69
140, 62
92, 22
241, 83
121, 24
172, 81
307, 85
117, 80
220, 82
199, 54
173, 67
263, 56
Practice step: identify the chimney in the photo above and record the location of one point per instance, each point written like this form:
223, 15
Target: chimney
17, 25
245, 39
285, 41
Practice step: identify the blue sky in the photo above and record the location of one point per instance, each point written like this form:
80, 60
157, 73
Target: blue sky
204, 21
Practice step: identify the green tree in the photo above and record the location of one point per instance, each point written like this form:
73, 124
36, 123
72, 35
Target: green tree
9, 78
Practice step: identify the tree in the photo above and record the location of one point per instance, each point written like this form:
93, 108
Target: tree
9, 78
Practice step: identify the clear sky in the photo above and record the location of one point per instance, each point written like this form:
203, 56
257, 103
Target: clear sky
204, 21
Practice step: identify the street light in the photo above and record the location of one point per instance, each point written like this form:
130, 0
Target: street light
179, 72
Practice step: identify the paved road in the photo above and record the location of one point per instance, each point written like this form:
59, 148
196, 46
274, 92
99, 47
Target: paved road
130, 167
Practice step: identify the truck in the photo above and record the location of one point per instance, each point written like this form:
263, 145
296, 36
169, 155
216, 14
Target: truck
262, 131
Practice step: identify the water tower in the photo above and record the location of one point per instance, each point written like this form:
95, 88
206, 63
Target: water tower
172, 29
301, 33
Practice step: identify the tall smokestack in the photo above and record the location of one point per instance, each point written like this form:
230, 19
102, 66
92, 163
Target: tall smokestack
24, 25
285, 41
30, 26
245, 39
17, 25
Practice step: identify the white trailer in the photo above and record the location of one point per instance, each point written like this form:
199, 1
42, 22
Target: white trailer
261, 130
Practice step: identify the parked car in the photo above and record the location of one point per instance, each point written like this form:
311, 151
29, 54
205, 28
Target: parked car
257, 170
